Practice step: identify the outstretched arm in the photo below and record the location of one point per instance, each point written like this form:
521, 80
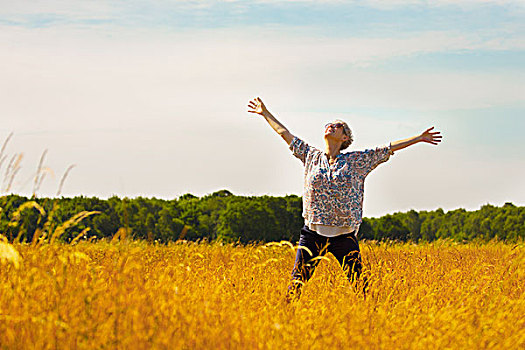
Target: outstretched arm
429, 136
257, 106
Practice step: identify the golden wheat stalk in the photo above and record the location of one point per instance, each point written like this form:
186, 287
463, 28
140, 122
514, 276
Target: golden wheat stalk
59, 231
16, 215
80, 235
120, 235
8, 253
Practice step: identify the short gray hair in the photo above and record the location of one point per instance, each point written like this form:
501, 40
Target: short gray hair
348, 132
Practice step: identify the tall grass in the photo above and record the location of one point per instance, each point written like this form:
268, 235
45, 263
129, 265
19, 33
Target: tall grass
138, 295
50, 230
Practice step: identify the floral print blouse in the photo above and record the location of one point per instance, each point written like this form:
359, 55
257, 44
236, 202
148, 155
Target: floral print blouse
333, 193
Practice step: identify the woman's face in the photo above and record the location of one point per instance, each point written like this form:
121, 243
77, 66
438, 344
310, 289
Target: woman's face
335, 130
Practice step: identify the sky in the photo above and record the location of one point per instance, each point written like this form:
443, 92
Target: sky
149, 98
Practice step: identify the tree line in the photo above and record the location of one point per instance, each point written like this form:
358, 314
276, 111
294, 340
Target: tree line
230, 218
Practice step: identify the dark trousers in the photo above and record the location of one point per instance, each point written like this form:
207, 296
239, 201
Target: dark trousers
344, 247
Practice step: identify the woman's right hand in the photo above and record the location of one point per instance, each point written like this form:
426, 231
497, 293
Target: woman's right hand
257, 106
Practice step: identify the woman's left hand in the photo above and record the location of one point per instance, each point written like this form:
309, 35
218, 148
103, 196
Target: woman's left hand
429, 136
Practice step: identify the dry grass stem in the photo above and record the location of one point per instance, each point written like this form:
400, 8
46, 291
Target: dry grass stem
63, 179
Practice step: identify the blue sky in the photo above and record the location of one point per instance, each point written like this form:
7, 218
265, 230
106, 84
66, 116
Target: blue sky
149, 98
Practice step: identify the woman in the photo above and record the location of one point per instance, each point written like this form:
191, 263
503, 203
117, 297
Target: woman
333, 194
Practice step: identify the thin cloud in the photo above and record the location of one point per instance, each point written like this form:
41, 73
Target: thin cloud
217, 13
276, 46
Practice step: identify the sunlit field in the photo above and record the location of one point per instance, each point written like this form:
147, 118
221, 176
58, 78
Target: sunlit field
137, 295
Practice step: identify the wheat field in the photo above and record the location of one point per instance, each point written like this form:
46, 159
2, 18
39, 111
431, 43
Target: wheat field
138, 295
